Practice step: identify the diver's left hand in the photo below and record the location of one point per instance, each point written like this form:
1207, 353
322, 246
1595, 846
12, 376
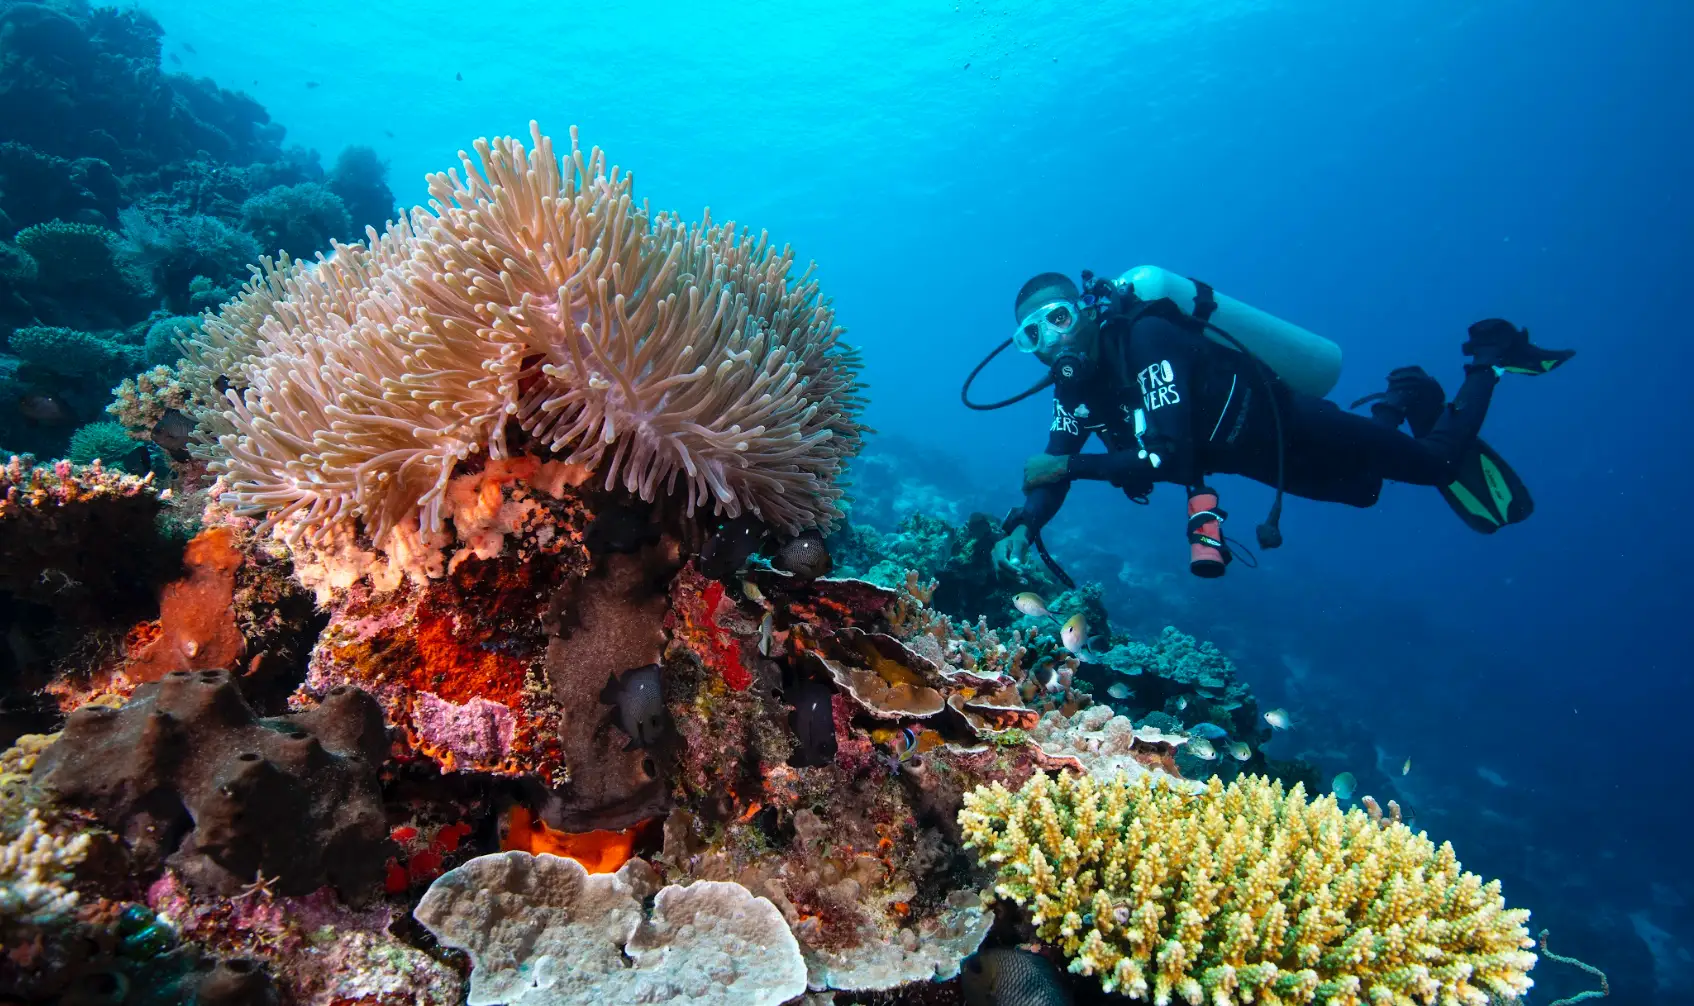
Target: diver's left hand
1045, 469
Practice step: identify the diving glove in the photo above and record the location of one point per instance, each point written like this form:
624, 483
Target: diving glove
1412, 397
1495, 342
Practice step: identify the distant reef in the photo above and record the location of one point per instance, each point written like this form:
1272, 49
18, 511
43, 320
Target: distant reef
133, 198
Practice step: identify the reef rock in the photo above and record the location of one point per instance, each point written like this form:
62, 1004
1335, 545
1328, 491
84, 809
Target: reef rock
190, 777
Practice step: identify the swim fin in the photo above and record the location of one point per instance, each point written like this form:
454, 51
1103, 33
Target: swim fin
1495, 342
1487, 495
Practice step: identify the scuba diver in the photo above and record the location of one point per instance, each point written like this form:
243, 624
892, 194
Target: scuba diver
1180, 382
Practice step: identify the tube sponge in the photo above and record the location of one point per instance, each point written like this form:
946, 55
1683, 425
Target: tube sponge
1246, 893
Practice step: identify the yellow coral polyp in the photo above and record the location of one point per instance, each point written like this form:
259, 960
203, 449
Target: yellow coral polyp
1246, 893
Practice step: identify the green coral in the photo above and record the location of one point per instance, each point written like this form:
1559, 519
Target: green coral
164, 335
74, 257
107, 441
1175, 655
298, 219
74, 353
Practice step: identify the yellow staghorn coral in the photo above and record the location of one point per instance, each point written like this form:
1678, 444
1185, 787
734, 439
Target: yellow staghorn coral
532, 295
1246, 894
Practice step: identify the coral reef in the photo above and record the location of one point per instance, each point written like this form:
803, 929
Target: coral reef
79, 542
541, 929
125, 187
190, 777
1246, 893
309, 949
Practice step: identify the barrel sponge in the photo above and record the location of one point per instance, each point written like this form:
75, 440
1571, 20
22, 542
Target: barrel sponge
1246, 893
542, 930
668, 357
192, 778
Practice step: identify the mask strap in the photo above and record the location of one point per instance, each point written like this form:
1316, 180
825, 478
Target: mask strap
965, 392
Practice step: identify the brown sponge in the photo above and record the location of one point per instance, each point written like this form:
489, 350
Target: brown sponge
190, 777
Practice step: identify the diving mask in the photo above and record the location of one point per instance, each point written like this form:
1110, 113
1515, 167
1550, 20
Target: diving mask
1043, 327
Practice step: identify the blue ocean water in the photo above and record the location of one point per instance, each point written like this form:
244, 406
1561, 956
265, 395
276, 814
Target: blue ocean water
1383, 174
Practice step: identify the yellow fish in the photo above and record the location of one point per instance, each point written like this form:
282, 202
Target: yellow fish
1074, 634
1278, 719
1031, 605
1406, 769
1240, 751
1202, 748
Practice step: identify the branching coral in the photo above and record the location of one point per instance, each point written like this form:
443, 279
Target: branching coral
34, 867
669, 358
1246, 894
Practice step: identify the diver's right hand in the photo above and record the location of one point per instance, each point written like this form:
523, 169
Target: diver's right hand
1011, 552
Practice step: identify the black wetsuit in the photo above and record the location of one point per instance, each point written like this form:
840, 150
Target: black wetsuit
1207, 410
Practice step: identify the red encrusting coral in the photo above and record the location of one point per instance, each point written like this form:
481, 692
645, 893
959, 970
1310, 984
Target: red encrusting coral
196, 626
452, 665
696, 604
421, 858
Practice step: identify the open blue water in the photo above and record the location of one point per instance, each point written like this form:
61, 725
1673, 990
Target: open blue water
1382, 173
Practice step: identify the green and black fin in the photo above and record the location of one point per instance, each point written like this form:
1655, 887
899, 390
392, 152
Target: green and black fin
1498, 343
1488, 495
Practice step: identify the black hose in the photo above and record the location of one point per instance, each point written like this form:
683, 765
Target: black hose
965, 392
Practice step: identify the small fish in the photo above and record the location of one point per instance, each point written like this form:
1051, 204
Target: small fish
1240, 751
813, 722
458, 76
637, 698
1406, 769
727, 549
1047, 677
1074, 634
805, 556
1344, 786
44, 408
173, 433
1278, 719
1032, 605
1181, 703
138, 462
1202, 748
310, 84
388, 133
176, 59
1118, 690
1210, 731
188, 49
908, 741
1009, 976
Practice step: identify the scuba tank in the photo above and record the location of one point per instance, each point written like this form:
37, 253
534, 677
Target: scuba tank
1302, 360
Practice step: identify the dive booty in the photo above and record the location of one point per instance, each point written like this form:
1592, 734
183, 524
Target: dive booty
1304, 361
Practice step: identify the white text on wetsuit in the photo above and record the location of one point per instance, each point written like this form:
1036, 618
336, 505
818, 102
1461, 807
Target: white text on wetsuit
1158, 387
